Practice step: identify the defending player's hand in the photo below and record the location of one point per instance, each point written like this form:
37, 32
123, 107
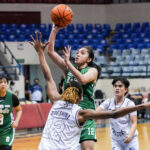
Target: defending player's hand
37, 44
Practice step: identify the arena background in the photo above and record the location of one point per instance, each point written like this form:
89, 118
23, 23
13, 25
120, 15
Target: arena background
103, 14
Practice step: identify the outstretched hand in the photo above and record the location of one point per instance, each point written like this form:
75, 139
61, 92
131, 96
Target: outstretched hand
66, 53
37, 44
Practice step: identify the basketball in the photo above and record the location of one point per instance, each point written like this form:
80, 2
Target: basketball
61, 15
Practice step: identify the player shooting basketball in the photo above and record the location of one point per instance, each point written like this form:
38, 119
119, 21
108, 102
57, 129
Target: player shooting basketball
66, 118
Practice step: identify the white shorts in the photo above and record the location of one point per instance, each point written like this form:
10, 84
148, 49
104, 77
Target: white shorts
120, 145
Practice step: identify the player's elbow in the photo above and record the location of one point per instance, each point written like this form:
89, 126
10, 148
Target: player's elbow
82, 81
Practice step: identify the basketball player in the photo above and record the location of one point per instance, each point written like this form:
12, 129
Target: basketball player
66, 118
123, 130
7, 125
83, 71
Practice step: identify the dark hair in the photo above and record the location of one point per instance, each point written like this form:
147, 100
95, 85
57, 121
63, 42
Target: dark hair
75, 84
61, 85
12, 83
123, 80
3, 76
91, 63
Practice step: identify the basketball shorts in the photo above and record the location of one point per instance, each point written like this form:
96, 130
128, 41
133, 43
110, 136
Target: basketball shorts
8, 137
118, 145
88, 131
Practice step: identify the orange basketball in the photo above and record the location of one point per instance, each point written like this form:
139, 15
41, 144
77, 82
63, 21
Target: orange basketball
61, 15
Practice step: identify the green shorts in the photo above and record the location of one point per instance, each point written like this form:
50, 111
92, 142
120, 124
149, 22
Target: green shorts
8, 137
88, 131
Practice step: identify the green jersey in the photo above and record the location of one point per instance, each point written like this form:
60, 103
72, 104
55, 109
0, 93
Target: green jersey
88, 89
5, 113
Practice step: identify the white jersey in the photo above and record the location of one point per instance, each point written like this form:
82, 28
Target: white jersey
120, 127
62, 130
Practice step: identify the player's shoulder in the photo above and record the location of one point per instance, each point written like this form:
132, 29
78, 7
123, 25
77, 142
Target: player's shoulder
129, 101
109, 100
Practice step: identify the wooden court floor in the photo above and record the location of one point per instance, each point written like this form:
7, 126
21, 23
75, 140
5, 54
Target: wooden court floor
31, 143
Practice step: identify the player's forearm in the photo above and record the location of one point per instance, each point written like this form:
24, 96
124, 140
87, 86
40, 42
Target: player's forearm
51, 40
45, 68
18, 115
124, 111
132, 130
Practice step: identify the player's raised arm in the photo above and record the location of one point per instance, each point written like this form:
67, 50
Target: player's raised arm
51, 86
58, 60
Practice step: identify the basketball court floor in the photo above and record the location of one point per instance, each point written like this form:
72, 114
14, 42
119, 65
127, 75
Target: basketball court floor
30, 142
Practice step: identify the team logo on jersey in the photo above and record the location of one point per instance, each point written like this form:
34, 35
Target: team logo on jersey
1, 100
4, 111
70, 74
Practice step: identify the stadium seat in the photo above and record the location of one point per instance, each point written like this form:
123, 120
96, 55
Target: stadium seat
144, 26
135, 26
21, 38
88, 27
98, 28
126, 70
23, 27
118, 26
127, 26
11, 38
13, 26
80, 27
7, 32
3, 27
107, 27
3, 38
114, 71
70, 27
126, 52
42, 27
32, 27
104, 73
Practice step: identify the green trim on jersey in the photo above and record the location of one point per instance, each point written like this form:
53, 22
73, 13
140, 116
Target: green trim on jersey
5, 113
88, 89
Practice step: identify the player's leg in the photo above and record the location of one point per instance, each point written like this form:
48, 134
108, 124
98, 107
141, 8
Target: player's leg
87, 145
116, 145
88, 136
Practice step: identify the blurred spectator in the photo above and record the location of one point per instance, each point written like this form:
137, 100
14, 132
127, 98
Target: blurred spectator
28, 90
129, 96
99, 94
13, 89
37, 92
138, 99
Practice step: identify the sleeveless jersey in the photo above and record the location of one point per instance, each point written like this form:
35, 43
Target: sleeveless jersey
62, 130
120, 127
5, 113
87, 101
